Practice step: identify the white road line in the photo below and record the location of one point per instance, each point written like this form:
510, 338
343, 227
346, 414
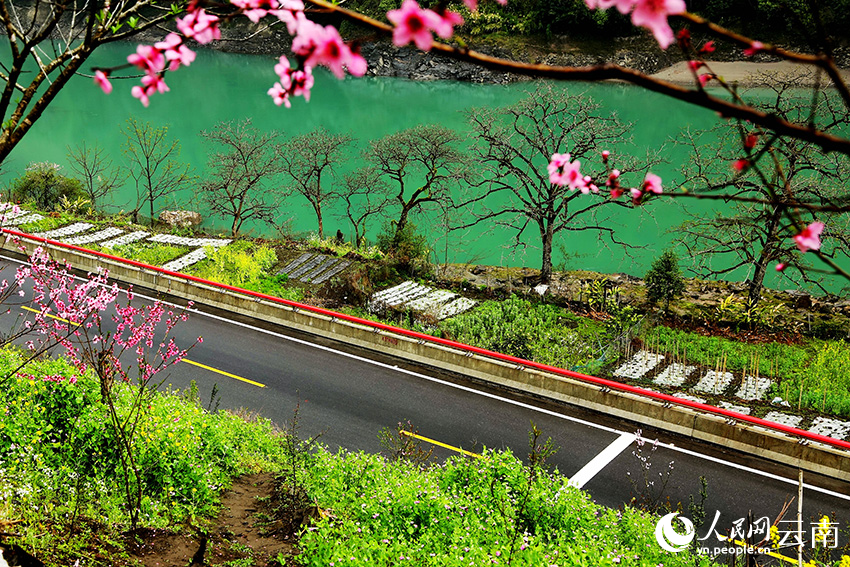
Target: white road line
530, 407
601, 460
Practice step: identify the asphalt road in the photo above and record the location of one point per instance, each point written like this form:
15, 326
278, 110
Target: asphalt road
349, 398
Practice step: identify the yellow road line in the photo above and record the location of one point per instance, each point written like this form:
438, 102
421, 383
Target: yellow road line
433, 442
49, 315
769, 553
228, 374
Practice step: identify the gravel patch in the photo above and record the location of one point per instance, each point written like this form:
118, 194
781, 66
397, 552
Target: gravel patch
68, 230
830, 427
186, 241
732, 407
126, 239
713, 382
639, 365
95, 236
753, 388
179, 264
689, 397
674, 375
784, 418
19, 220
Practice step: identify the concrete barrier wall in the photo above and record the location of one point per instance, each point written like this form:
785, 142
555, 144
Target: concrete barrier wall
723, 431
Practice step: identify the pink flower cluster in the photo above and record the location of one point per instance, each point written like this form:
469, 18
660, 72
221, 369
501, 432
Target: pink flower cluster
650, 14
312, 45
49, 378
563, 172
809, 239
294, 82
69, 314
152, 60
414, 23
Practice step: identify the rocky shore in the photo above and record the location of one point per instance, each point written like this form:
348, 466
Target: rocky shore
639, 52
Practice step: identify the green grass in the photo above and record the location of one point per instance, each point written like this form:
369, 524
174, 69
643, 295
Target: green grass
151, 253
535, 331
823, 385
58, 466
462, 513
774, 359
342, 248
45, 224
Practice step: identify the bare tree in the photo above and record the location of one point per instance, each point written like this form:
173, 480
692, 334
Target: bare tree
153, 165
242, 185
366, 196
48, 43
513, 146
309, 160
97, 172
778, 173
423, 165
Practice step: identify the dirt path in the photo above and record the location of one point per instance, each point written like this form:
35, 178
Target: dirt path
237, 534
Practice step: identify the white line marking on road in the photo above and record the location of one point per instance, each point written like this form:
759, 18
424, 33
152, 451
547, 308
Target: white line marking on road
495, 397
601, 460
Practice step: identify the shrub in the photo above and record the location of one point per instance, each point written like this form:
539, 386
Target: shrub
664, 281
44, 187
408, 249
467, 512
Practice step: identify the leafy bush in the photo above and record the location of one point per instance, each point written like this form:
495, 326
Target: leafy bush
276, 286
741, 312
44, 187
408, 249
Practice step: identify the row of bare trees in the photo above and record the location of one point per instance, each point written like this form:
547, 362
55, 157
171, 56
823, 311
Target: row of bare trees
496, 175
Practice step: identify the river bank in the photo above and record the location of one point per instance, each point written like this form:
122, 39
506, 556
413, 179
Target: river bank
639, 52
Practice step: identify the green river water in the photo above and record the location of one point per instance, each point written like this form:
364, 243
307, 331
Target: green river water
220, 87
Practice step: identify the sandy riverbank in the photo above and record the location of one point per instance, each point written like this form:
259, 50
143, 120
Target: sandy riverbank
745, 73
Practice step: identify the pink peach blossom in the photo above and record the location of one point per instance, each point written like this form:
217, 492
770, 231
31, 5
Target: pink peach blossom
415, 24
652, 183
652, 15
101, 79
809, 239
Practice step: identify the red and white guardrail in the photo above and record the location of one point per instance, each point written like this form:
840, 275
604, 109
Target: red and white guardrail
601, 382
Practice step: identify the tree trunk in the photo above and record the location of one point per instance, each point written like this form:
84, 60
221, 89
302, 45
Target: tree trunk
546, 265
402, 223
766, 256
318, 209
150, 198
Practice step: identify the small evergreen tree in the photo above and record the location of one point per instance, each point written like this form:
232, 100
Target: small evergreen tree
664, 280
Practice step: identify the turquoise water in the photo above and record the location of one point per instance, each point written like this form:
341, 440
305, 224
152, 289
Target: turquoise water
221, 87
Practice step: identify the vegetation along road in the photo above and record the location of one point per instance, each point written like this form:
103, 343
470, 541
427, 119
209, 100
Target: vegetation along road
349, 398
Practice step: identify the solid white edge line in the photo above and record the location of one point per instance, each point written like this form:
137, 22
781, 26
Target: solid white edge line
600, 461
492, 396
